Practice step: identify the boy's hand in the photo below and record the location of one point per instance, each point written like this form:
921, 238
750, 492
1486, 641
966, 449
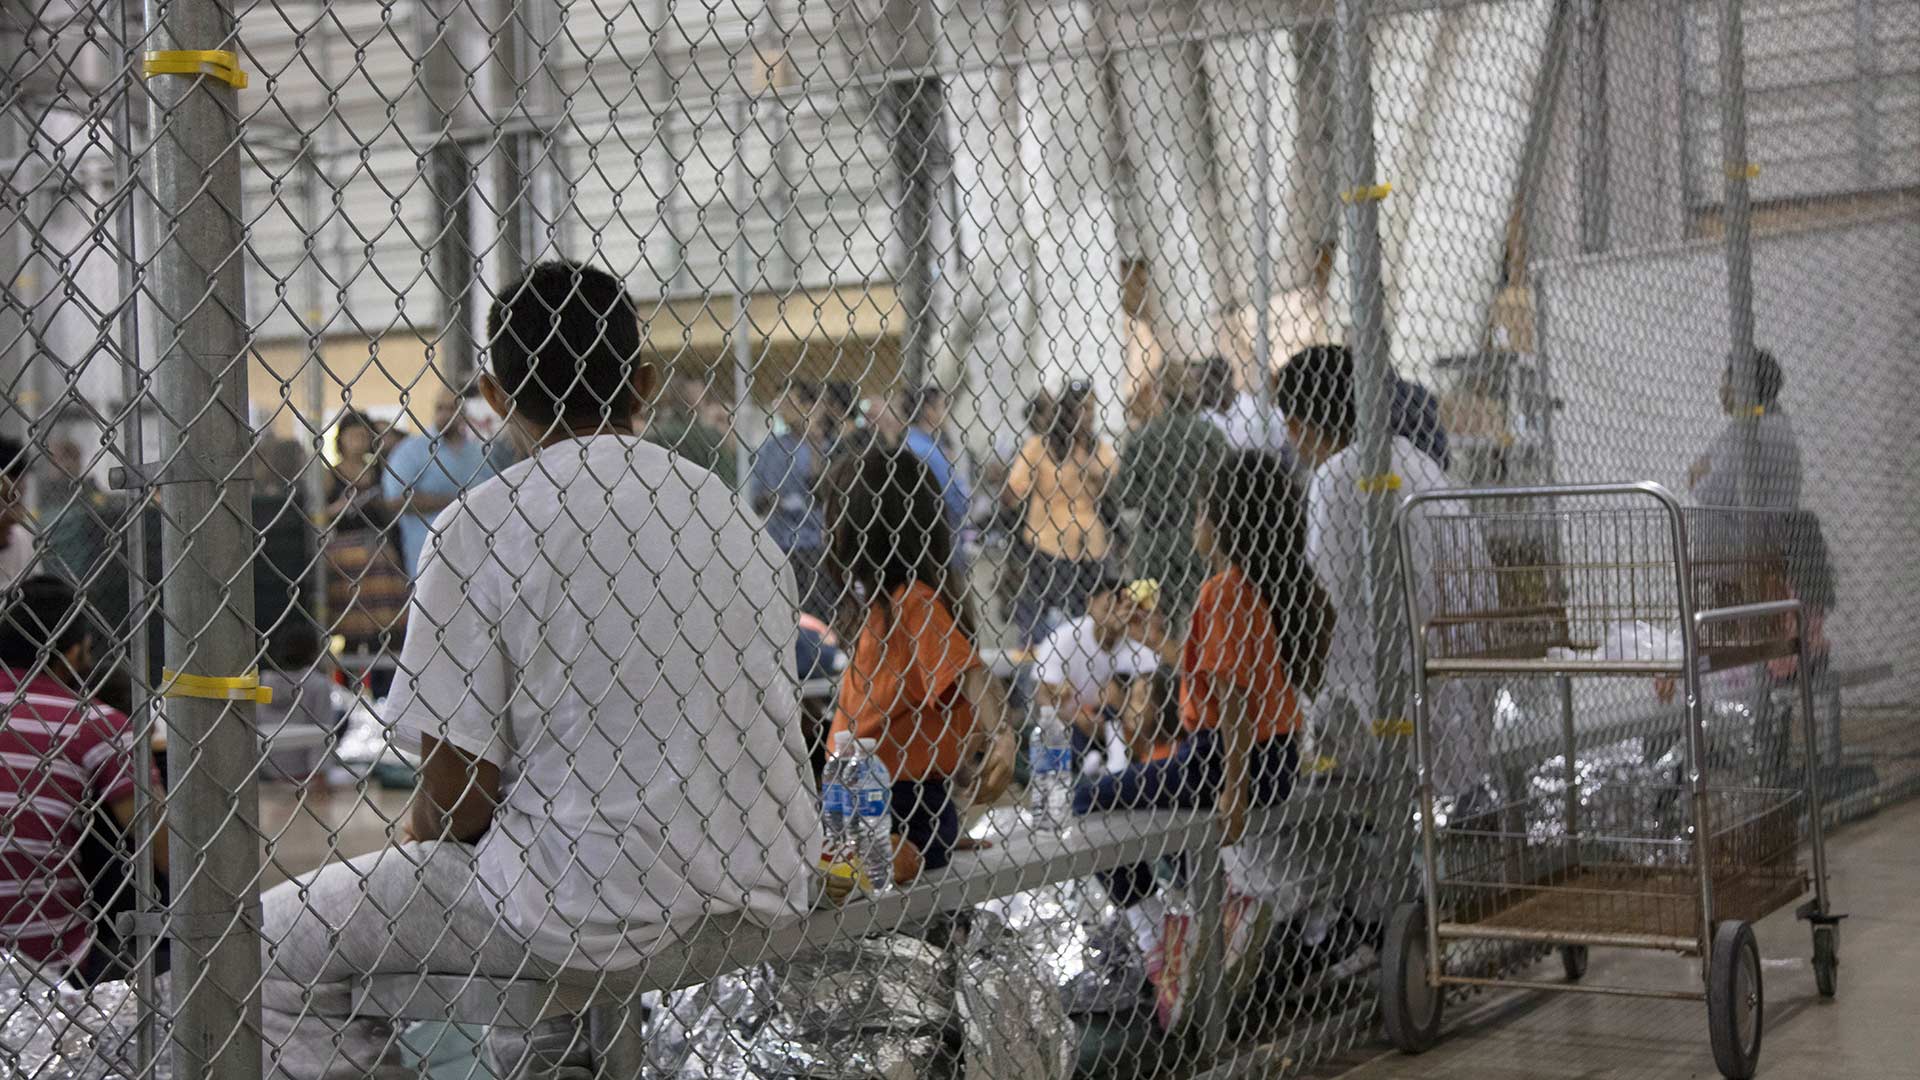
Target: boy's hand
986, 766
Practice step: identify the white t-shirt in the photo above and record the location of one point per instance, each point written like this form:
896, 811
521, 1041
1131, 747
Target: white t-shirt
1071, 657
1337, 548
614, 631
1252, 424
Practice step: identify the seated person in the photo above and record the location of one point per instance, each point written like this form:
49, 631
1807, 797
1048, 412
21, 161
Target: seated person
63, 759
1094, 669
916, 682
609, 752
1255, 646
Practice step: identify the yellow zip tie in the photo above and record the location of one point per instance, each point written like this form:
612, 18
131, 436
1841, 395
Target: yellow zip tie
243, 688
1396, 727
1376, 193
1759, 410
220, 64
1743, 172
1320, 764
1371, 484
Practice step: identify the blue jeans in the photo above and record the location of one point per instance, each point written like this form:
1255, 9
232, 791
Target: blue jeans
1188, 780
923, 812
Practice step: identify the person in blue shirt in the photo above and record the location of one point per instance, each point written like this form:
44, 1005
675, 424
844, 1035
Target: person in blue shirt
786, 469
925, 411
429, 472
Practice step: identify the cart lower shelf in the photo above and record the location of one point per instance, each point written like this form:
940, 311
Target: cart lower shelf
1651, 907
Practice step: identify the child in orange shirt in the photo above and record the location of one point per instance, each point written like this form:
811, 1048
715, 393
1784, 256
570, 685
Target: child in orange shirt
915, 682
1256, 641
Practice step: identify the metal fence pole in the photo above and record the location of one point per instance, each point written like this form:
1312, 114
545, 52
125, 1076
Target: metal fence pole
1263, 216
742, 267
200, 387
1373, 374
921, 161
1738, 220
447, 35
313, 281
14, 225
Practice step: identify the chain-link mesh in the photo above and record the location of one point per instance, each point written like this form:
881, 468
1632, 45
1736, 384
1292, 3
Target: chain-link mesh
469, 464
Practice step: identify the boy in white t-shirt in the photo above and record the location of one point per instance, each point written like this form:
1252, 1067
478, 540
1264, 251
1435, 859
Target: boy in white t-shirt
1097, 671
598, 678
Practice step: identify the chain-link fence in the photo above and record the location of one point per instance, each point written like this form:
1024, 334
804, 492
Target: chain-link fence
470, 464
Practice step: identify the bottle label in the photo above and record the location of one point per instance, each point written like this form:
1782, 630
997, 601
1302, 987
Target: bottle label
836, 799
1048, 759
873, 802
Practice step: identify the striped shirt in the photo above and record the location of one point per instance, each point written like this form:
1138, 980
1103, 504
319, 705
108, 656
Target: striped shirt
61, 759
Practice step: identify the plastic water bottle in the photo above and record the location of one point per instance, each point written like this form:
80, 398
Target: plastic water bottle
1050, 753
873, 816
837, 780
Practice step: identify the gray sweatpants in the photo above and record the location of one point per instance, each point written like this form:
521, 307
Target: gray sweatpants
416, 908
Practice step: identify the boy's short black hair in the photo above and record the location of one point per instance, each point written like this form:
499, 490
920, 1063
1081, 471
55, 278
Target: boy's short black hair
41, 617
1316, 388
1767, 377
565, 345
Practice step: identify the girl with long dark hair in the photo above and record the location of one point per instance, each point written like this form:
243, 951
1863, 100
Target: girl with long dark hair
1255, 649
915, 683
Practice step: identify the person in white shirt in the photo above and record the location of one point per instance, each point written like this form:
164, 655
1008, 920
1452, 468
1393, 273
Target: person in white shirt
1247, 418
1097, 671
599, 683
1316, 391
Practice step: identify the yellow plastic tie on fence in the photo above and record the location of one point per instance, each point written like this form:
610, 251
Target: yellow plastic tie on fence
220, 64
1759, 410
1371, 484
1376, 193
1398, 727
215, 688
1743, 172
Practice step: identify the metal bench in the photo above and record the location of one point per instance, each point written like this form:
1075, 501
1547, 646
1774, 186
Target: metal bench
611, 1001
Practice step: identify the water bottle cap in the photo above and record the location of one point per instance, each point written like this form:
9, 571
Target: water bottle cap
842, 743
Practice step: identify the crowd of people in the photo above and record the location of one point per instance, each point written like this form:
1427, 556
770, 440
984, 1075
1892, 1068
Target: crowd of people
596, 776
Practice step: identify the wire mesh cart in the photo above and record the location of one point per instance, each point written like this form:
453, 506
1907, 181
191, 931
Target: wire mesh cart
1613, 580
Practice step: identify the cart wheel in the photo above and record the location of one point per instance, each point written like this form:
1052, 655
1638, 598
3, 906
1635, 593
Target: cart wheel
1410, 1007
1826, 959
1573, 959
1735, 1007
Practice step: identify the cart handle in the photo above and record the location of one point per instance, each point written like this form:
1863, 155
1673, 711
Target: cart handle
1746, 611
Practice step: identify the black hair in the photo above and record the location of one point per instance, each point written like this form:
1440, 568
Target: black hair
887, 529
40, 618
1063, 430
1215, 384
1109, 583
13, 458
565, 345
1768, 379
1259, 521
1316, 388
914, 401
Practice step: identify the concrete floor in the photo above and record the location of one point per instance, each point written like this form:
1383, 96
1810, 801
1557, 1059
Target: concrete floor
1871, 1031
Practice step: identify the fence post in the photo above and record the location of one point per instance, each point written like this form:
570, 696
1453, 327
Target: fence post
1738, 220
15, 316
199, 385
1373, 377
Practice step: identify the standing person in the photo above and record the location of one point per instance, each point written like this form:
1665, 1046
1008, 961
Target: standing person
367, 583
925, 411
1317, 392
916, 682
1060, 478
784, 488
1754, 463
429, 472
1163, 466
609, 753
63, 758
684, 424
